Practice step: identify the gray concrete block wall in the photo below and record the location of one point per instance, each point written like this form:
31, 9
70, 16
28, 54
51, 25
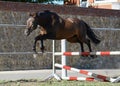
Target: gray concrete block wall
13, 39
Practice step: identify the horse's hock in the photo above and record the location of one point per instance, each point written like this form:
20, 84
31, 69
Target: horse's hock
12, 38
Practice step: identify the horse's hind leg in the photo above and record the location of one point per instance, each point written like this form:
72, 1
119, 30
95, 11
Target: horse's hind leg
82, 48
89, 46
74, 39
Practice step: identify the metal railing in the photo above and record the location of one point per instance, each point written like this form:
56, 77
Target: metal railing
11, 25
15, 25
22, 53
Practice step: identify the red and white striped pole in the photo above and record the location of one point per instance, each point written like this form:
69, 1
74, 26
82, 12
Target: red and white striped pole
104, 78
99, 53
79, 78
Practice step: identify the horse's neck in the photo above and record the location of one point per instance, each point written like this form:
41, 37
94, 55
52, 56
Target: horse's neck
56, 23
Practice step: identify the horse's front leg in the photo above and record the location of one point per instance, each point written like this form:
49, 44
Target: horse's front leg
34, 45
42, 46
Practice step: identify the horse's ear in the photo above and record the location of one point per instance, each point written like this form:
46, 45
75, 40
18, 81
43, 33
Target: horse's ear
33, 14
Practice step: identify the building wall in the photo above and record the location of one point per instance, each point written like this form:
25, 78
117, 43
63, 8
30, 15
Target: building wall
105, 4
13, 38
116, 6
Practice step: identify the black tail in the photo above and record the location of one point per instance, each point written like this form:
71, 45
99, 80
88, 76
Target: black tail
92, 35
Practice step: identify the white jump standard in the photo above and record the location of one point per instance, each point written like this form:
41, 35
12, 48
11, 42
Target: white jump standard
64, 67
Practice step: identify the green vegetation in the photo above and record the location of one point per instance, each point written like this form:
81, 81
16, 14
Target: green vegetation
55, 83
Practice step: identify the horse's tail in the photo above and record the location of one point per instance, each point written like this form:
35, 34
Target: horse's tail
92, 35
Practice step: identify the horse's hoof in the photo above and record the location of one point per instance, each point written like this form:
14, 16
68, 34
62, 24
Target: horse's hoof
35, 55
83, 57
35, 51
42, 49
93, 56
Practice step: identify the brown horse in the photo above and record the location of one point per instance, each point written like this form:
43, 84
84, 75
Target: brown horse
54, 27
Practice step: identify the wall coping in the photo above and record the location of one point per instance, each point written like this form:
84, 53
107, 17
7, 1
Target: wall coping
72, 10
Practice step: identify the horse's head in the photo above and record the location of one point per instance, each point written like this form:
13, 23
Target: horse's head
31, 24
45, 19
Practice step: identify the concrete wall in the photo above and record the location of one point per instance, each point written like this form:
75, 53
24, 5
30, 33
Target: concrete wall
12, 39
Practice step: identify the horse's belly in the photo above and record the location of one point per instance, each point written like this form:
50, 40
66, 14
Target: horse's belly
64, 35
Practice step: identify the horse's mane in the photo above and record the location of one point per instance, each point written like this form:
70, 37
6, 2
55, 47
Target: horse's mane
55, 17
46, 12
52, 13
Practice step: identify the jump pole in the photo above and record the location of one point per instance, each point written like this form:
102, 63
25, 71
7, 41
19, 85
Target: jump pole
71, 78
84, 72
98, 53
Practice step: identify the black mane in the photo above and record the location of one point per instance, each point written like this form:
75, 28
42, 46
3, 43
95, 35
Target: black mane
49, 17
47, 11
